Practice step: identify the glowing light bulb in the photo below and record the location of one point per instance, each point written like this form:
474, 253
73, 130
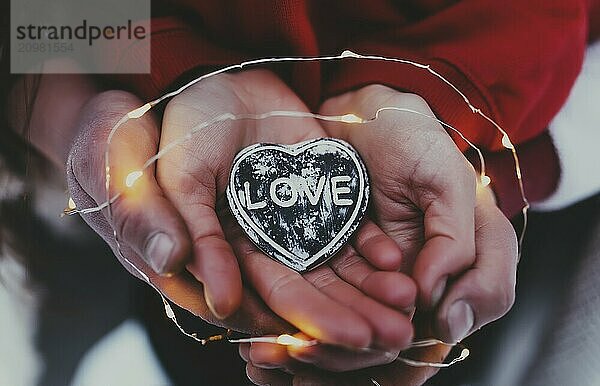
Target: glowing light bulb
139, 112
289, 340
349, 54
133, 177
71, 205
351, 118
169, 311
485, 181
506, 142
464, 353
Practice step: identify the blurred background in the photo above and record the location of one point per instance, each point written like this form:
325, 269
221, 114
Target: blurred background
72, 319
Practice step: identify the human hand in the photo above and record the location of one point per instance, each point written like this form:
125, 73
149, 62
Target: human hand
494, 242
182, 202
143, 211
335, 302
424, 197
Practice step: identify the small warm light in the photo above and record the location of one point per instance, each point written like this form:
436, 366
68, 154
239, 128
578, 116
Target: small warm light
169, 311
289, 340
71, 205
506, 142
465, 353
139, 112
133, 177
485, 180
351, 118
349, 54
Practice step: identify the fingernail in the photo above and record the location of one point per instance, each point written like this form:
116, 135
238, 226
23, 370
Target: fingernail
460, 320
158, 250
409, 311
438, 292
265, 365
300, 355
218, 309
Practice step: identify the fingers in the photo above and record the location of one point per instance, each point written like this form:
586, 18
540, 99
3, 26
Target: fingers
340, 360
268, 356
401, 374
449, 247
378, 248
392, 330
195, 175
216, 267
435, 178
296, 300
330, 309
330, 358
486, 291
264, 377
447, 198
192, 189
395, 373
143, 218
391, 288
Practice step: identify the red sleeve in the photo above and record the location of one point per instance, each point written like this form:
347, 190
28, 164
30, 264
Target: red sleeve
516, 60
176, 48
594, 20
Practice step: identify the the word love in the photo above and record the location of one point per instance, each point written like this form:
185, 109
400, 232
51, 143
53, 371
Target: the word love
285, 192
299, 203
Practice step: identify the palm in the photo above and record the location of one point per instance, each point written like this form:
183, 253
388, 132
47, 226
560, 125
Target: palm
399, 218
194, 177
424, 198
209, 153
420, 160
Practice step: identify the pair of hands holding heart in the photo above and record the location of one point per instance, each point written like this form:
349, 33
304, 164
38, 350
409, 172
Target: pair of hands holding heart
433, 238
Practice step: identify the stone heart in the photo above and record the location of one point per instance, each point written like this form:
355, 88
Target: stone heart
299, 203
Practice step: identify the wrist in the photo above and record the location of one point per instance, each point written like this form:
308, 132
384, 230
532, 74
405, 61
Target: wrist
44, 110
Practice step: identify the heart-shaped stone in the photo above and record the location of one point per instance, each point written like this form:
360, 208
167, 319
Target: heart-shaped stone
299, 203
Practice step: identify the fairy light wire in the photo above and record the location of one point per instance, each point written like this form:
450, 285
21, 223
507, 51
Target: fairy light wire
289, 340
346, 118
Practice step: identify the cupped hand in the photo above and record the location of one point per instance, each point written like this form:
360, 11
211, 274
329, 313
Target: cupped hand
425, 198
456, 243
143, 211
174, 216
495, 251
348, 301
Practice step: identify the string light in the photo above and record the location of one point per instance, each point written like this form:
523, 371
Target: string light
411, 362
346, 118
349, 118
282, 340
133, 177
485, 180
507, 143
139, 112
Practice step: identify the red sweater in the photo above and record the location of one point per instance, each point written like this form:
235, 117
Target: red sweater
515, 59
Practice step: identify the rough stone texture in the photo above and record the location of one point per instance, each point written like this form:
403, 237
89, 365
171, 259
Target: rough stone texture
299, 203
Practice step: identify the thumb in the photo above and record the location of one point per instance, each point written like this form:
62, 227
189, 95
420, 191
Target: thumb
486, 291
142, 217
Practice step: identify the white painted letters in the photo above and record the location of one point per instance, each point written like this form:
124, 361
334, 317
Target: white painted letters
337, 190
296, 187
293, 189
249, 204
314, 199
